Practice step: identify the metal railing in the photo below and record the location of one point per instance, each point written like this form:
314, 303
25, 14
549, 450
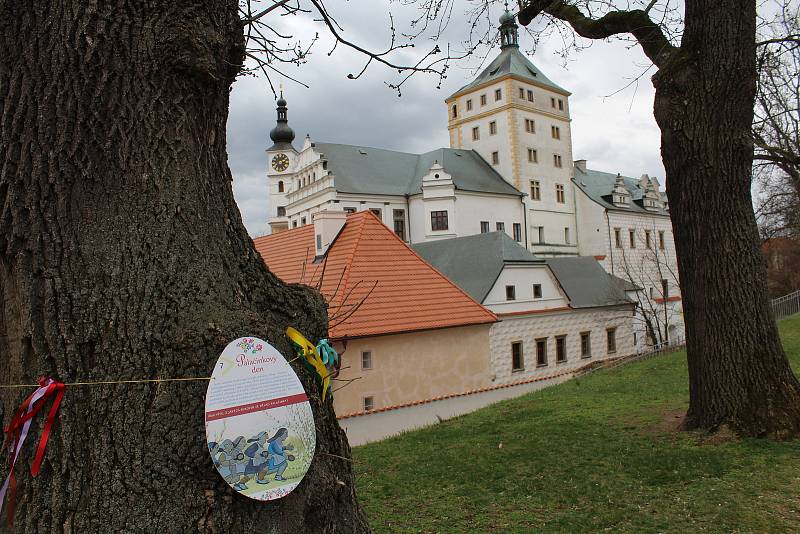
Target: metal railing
786, 305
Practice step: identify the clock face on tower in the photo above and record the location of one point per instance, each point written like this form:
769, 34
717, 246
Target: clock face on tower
280, 162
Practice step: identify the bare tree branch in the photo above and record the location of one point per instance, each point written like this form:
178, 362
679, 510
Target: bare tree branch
635, 22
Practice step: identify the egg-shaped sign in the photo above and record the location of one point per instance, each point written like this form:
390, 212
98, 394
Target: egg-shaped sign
259, 424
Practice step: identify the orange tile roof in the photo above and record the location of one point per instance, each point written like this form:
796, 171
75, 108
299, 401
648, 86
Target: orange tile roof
368, 262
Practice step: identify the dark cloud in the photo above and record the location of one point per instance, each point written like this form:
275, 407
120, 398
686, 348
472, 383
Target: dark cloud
616, 134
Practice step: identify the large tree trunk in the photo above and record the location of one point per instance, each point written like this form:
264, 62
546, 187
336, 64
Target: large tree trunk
738, 372
123, 256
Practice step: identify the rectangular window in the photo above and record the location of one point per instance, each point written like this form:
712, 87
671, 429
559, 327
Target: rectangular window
522, 92
469, 105
500, 226
530, 126
319, 241
560, 193
560, 105
536, 192
555, 131
492, 128
517, 360
533, 156
349, 210
586, 344
484, 227
647, 238
566, 236
511, 293
302, 221
665, 288
377, 212
611, 340
539, 234
498, 94
632, 238
617, 238
517, 232
294, 223
281, 211
455, 111
552, 102
399, 217
476, 133
369, 404
438, 220
661, 240
483, 100
530, 95
561, 349
366, 360
541, 352
557, 160
495, 158
537, 291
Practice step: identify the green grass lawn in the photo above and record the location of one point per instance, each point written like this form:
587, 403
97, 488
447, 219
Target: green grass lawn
595, 453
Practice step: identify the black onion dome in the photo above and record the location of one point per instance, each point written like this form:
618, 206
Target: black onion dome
506, 17
282, 134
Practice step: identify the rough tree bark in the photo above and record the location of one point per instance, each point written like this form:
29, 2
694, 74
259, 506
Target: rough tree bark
705, 89
123, 255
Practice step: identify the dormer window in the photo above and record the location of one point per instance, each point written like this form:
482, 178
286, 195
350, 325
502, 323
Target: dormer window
649, 203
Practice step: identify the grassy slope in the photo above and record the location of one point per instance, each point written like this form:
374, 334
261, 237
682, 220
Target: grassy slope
591, 454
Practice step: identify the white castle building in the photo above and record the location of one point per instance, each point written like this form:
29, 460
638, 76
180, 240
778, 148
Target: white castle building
509, 168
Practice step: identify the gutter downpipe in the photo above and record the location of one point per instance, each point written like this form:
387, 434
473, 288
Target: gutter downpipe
610, 246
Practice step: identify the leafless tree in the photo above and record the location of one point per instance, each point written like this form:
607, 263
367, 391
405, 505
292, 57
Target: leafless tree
649, 268
776, 125
704, 58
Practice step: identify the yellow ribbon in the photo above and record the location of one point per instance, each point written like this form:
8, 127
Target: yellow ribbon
312, 356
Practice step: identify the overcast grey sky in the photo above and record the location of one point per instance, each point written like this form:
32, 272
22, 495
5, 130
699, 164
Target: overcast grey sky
615, 134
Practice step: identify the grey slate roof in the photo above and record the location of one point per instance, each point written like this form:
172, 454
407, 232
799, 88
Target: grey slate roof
366, 170
512, 61
586, 283
598, 186
474, 262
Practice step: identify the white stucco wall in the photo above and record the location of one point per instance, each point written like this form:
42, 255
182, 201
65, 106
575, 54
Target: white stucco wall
529, 328
465, 210
593, 233
523, 277
645, 267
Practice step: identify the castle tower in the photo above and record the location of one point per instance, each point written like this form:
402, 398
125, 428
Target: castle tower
518, 121
281, 159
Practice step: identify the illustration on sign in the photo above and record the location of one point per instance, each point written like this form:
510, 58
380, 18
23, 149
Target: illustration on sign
259, 424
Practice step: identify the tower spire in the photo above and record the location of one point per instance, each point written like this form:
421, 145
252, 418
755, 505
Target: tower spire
282, 134
509, 35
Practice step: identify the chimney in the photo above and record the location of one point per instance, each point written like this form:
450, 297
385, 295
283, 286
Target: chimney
327, 225
580, 164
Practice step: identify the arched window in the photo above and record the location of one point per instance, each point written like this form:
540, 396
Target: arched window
280, 186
